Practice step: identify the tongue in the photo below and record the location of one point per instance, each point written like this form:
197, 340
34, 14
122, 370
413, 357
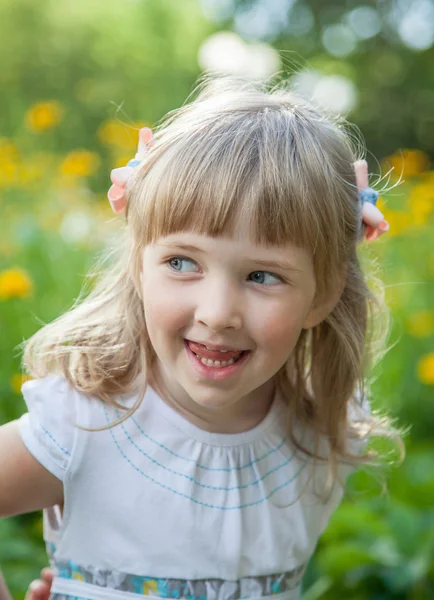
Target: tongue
202, 351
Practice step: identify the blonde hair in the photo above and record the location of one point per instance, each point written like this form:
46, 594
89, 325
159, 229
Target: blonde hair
240, 152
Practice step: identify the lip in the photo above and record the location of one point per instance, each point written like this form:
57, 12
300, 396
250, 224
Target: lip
216, 373
218, 347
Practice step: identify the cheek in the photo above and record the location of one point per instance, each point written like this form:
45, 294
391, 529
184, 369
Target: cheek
280, 329
163, 315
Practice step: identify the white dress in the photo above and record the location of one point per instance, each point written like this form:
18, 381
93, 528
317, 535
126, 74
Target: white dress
155, 506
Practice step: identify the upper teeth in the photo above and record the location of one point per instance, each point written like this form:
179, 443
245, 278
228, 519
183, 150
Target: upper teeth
212, 349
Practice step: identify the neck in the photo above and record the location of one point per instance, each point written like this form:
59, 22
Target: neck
244, 415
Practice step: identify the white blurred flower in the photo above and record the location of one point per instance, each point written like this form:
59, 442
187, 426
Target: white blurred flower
301, 20
416, 28
339, 40
364, 21
305, 82
335, 93
225, 52
77, 226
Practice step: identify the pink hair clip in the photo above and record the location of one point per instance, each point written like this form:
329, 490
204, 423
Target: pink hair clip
372, 217
120, 177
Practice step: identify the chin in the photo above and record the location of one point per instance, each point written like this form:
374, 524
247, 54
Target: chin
212, 398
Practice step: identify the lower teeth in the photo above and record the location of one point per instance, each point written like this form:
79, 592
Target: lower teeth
217, 363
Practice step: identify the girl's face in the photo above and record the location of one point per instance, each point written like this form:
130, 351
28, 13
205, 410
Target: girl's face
223, 315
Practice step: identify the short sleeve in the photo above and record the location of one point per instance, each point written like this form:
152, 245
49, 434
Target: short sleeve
48, 429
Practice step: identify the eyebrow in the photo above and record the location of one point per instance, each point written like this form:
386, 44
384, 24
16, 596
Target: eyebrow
270, 264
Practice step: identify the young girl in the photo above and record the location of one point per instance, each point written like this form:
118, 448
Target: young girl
196, 415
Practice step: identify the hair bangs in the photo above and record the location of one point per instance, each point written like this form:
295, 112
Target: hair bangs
200, 183
237, 170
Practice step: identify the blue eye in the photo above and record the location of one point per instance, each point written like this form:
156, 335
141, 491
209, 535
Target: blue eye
265, 278
177, 263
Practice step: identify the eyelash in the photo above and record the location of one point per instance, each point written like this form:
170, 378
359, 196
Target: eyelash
168, 261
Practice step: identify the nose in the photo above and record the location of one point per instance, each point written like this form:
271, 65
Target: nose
219, 307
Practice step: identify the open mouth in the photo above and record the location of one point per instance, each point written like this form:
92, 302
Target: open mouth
221, 360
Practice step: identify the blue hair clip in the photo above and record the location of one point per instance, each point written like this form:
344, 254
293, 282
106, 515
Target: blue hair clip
368, 194
133, 163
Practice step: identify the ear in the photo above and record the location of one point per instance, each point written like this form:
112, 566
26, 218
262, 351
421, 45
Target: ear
322, 307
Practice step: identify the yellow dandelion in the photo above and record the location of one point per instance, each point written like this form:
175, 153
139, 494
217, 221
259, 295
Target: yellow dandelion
421, 324
421, 202
9, 173
9, 162
409, 162
44, 115
15, 283
115, 133
17, 381
79, 163
425, 369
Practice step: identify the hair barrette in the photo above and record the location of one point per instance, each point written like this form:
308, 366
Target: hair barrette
372, 217
120, 177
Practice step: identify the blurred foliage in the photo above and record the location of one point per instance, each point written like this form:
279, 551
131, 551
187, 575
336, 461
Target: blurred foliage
395, 81
71, 66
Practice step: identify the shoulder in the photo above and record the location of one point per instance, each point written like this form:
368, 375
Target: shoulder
50, 399
55, 393
49, 428
50, 389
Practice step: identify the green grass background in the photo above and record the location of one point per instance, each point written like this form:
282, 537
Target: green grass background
92, 57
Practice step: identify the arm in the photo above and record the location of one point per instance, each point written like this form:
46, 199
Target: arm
40, 588
4, 593
25, 485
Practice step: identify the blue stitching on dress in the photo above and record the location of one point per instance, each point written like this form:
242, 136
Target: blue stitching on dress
210, 487
239, 507
53, 440
275, 449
